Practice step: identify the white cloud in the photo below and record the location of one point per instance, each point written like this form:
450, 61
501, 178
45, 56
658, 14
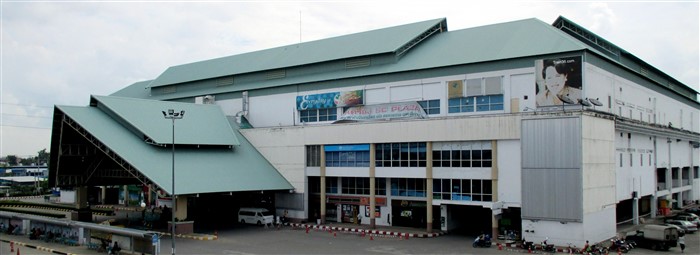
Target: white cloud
60, 53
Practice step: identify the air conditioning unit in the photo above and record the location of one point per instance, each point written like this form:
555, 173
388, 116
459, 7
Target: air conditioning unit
208, 99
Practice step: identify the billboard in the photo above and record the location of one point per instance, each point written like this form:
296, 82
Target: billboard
557, 78
330, 100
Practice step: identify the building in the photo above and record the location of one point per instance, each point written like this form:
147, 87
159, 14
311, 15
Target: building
546, 129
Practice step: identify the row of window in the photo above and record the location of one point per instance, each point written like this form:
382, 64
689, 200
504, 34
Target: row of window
402, 155
475, 104
445, 189
462, 189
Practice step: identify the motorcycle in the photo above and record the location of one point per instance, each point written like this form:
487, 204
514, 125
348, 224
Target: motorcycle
527, 245
619, 245
548, 247
482, 241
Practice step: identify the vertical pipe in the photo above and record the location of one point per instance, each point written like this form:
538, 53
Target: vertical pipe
372, 186
429, 186
322, 213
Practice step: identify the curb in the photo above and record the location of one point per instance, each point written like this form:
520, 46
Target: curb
200, 238
366, 231
41, 248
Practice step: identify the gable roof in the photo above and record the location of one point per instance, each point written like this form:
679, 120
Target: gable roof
197, 170
201, 124
346, 46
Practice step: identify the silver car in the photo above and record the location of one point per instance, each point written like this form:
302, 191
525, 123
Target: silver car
686, 225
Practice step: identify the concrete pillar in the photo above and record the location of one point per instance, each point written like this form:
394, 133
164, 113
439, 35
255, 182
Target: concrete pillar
81, 200
372, 186
180, 209
103, 195
635, 210
126, 195
429, 186
654, 206
494, 186
322, 213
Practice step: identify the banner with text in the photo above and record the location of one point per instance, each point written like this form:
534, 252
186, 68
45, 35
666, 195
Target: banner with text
330, 100
403, 110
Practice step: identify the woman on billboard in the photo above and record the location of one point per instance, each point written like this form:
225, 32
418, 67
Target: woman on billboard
559, 77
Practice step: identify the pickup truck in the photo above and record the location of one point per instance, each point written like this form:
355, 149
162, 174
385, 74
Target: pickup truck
655, 237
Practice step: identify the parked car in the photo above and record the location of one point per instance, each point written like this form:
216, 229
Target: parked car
687, 226
695, 220
259, 216
695, 210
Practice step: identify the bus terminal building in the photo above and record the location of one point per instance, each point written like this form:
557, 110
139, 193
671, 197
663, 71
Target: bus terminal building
547, 129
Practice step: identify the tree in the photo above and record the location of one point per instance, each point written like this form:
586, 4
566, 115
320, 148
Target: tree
43, 157
11, 160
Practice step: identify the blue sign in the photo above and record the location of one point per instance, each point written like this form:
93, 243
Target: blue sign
330, 100
347, 147
155, 239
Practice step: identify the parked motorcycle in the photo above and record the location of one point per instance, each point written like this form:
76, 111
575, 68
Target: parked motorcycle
548, 247
482, 241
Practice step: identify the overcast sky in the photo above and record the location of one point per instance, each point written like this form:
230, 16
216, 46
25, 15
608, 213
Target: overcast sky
59, 53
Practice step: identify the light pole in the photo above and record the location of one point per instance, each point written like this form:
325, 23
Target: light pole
172, 115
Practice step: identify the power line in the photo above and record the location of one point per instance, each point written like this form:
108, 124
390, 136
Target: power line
25, 127
30, 116
42, 106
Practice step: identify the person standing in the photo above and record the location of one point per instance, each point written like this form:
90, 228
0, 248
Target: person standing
681, 242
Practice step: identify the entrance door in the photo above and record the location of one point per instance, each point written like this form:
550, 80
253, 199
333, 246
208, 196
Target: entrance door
350, 213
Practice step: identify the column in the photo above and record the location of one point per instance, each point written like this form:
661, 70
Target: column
125, 189
322, 212
372, 186
494, 186
103, 195
429, 186
180, 209
654, 206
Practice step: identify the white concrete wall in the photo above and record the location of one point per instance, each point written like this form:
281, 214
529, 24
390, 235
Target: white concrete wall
627, 96
599, 226
559, 234
509, 173
640, 176
598, 169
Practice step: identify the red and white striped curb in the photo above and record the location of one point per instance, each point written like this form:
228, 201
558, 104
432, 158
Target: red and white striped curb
367, 231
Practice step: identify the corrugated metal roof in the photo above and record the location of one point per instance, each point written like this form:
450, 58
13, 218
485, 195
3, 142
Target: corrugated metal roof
136, 90
201, 125
346, 46
197, 170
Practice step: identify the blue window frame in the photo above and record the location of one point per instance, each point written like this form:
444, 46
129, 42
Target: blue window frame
430, 106
317, 115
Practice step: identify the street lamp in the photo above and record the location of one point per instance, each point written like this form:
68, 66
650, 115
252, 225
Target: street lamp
171, 114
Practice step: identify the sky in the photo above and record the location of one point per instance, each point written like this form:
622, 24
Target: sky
61, 52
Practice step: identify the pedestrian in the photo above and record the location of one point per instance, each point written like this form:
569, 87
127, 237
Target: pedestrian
681, 241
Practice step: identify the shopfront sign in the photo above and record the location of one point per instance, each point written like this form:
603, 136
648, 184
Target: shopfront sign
403, 110
330, 100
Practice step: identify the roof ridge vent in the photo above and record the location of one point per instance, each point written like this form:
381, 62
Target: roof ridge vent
358, 62
276, 74
433, 30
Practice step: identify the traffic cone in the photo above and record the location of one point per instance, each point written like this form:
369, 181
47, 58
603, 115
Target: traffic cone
406, 236
500, 248
335, 234
307, 229
17, 250
619, 252
529, 249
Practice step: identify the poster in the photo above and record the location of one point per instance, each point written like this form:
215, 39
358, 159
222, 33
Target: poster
558, 78
455, 89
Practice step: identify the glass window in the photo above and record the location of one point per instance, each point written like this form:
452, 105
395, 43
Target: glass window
316, 115
430, 106
313, 155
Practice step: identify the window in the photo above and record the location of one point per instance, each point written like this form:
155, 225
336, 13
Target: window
313, 155
483, 94
360, 186
332, 185
462, 154
400, 155
408, 187
347, 158
464, 189
315, 185
430, 106
316, 115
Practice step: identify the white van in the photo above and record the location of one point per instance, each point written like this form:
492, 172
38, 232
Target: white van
259, 216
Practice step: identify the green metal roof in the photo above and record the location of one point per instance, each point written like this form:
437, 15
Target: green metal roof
136, 90
201, 124
197, 170
346, 46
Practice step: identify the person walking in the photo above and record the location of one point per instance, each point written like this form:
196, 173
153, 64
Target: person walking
681, 242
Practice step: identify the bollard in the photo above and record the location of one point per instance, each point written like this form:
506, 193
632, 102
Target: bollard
307, 229
371, 237
12, 246
334, 234
500, 247
406, 236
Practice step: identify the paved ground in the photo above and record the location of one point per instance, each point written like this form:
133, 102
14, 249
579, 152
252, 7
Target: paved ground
248, 239
259, 240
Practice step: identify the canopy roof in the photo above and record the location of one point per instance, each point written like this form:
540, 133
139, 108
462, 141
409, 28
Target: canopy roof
198, 169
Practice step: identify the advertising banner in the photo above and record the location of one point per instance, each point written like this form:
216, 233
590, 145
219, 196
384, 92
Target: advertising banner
330, 100
384, 111
558, 78
455, 89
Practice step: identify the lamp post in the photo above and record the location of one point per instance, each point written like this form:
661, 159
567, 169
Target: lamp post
172, 115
